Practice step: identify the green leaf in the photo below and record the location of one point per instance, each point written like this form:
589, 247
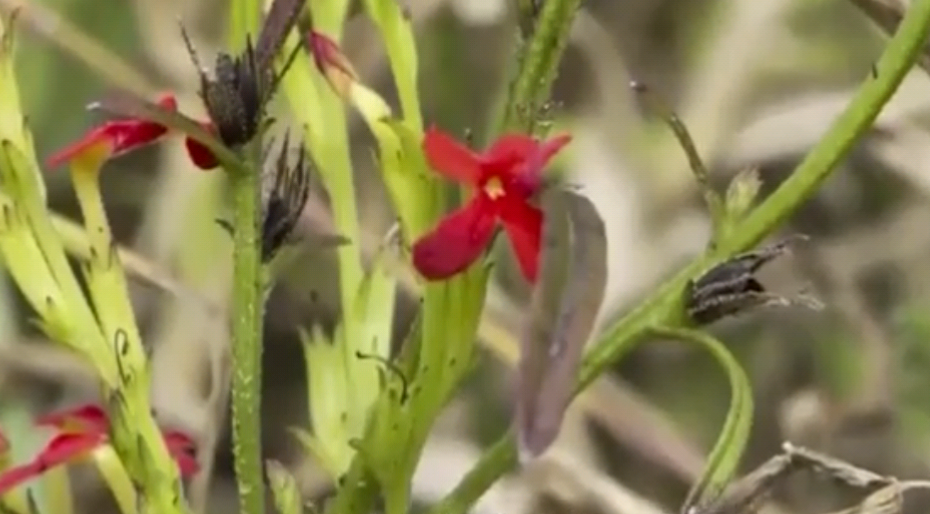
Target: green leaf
441, 350
563, 309
12, 121
283, 489
21, 182
724, 459
330, 463
397, 32
26, 263
116, 478
329, 15
328, 394
373, 320
414, 189
742, 192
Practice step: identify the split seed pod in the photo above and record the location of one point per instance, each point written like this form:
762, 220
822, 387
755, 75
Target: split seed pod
731, 287
239, 91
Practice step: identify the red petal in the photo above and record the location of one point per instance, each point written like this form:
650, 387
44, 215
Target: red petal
84, 418
527, 178
200, 155
511, 148
122, 135
553, 145
507, 153
523, 224
450, 158
182, 448
327, 54
60, 450
16, 475
457, 241
67, 447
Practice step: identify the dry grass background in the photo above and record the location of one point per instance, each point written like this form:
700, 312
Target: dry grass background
756, 81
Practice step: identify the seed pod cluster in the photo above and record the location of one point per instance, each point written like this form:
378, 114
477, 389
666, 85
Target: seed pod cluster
241, 86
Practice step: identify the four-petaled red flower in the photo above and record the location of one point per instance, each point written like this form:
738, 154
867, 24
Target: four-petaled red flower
79, 432
124, 135
505, 179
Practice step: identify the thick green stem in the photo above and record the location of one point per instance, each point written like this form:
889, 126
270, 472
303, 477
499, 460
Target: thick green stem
537, 66
664, 306
247, 313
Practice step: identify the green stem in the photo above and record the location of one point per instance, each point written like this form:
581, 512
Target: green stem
244, 20
537, 67
247, 313
664, 306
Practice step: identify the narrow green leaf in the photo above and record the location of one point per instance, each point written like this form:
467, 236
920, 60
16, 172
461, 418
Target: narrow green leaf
328, 394
724, 459
372, 319
320, 452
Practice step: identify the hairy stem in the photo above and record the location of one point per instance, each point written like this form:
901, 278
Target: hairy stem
664, 306
537, 66
247, 313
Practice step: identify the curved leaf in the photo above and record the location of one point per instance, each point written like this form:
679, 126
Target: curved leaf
563, 309
724, 459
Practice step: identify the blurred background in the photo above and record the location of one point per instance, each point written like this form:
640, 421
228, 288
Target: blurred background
756, 81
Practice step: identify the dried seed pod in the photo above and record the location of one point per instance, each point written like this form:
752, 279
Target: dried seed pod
731, 287
285, 195
237, 94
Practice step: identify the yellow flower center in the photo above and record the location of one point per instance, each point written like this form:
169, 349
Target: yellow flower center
494, 188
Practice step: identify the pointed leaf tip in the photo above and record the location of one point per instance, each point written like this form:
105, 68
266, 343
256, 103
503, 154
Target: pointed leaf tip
283, 488
742, 192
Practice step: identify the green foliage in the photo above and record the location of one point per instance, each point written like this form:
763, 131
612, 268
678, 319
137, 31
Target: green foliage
371, 411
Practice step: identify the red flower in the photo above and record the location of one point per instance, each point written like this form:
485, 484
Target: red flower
124, 135
200, 155
80, 431
505, 178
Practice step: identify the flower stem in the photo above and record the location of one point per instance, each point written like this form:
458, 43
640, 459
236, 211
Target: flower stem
537, 66
664, 306
247, 313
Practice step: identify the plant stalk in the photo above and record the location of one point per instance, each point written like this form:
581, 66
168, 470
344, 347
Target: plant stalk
247, 312
537, 66
664, 306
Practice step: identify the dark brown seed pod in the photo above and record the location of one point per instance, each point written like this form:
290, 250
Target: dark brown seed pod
284, 199
731, 287
241, 86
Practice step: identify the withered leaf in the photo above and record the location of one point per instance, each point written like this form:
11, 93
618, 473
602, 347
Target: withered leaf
281, 18
745, 496
887, 500
563, 309
836, 469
